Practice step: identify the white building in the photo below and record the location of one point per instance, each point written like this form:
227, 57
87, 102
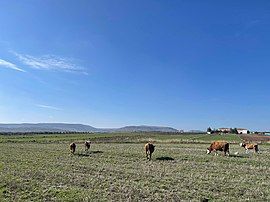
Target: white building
242, 131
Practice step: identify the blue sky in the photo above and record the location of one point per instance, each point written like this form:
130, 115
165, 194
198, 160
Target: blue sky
188, 64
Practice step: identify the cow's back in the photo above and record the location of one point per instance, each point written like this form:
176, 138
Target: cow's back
251, 146
218, 145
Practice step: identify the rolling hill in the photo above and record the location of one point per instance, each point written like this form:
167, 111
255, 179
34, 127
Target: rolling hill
66, 127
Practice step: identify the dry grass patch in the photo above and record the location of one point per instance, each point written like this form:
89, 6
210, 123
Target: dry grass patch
120, 172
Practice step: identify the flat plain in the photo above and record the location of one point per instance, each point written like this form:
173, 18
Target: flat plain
41, 168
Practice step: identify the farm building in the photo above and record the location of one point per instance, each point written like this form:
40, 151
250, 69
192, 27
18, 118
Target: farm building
239, 130
224, 130
242, 131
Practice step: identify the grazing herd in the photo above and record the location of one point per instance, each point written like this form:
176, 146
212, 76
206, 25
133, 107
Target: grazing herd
224, 146
214, 147
72, 146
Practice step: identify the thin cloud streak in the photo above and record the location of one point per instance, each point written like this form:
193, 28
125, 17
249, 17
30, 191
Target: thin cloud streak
48, 107
10, 65
50, 62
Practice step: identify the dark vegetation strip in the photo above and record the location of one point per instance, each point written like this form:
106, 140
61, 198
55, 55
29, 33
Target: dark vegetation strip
166, 138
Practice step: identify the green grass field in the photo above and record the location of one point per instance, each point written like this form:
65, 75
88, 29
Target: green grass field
40, 168
119, 138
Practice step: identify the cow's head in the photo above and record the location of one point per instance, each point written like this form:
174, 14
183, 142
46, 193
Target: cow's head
208, 151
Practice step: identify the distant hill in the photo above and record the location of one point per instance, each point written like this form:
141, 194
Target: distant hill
64, 127
146, 129
46, 127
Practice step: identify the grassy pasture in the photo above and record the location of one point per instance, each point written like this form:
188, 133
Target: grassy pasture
119, 138
41, 169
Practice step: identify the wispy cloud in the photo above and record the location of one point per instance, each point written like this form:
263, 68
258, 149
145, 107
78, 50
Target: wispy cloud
50, 62
10, 65
48, 107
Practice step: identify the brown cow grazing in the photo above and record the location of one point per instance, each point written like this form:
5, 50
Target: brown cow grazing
219, 146
149, 149
249, 146
87, 145
72, 147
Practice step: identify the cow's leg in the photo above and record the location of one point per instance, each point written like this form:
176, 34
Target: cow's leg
257, 149
146, 153
150, 156
246, 151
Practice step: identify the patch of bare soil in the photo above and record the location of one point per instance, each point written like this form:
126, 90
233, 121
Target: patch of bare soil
255, 138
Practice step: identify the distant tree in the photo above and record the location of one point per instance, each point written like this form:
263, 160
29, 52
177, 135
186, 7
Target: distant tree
234, 131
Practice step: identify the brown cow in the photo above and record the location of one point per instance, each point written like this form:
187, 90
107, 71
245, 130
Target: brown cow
219, 146
87, 145
72, 147
248, 146
149, 149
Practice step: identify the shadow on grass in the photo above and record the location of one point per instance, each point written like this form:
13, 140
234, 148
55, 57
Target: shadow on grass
238, 156
165, 158
88, 153
96, 152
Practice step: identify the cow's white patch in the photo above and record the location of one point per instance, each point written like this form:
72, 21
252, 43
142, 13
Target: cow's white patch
241, 144
208, 151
